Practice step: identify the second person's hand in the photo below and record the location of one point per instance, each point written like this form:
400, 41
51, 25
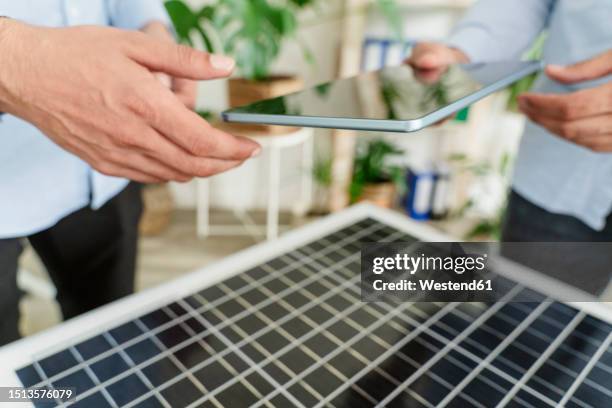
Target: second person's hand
582, 117
93, 92
431, 60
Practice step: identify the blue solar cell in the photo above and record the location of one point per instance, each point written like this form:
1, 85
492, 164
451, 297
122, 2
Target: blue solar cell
182, 393
109, 367
192, 354
28, 376
161, 371
213, 375
155, 318
127, 389
93, 347
79, 380
125, 332
142, 351
172, 336
57, 363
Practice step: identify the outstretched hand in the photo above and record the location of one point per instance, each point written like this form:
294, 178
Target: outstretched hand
92, 90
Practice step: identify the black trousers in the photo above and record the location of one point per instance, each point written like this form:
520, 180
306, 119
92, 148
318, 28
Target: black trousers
560, 246
90, 256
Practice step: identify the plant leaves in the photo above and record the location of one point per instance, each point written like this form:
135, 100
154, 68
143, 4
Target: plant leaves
371, 167
252, 31
183, 19
391, 11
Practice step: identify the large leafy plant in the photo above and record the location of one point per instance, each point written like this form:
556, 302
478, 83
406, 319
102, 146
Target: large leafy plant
372, 167
252, 31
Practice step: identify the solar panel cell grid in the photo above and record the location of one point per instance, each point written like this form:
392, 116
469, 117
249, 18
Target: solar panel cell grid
294, 332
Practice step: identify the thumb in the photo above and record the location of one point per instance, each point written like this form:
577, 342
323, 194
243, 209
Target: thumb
178, 61
593, 68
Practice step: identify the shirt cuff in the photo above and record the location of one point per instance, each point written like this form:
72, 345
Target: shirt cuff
135, 14
475, 42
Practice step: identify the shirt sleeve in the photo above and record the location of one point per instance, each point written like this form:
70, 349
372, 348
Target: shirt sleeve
135, 14
495, 30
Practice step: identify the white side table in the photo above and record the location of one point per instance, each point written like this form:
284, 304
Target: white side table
274, 144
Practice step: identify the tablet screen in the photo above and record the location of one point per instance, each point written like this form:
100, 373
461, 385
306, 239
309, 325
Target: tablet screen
394, 93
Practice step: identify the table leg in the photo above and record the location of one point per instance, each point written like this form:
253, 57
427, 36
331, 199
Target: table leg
203, 207
273, 193
301, 208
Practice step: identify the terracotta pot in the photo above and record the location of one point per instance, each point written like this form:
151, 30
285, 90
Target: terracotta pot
243, 92
380, 194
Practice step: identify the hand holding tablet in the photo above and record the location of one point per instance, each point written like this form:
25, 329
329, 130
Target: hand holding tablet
394, 99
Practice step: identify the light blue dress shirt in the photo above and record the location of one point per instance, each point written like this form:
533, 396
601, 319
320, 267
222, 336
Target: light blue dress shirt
39, 182
554, 174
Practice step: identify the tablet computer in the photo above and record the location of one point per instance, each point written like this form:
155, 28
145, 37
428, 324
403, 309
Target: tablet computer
393, 99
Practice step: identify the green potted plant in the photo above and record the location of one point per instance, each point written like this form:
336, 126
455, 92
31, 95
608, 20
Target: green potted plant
374, 178
490, 180
251, 31
322, 176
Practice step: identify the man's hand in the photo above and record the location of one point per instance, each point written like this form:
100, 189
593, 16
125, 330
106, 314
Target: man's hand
431, 60
583, 117
184, 89
93, 92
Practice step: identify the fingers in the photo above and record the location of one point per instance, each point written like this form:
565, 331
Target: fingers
161, 170
178, 60
429, 76
193, 134
166, 160
435, 56
176, 135
584, 103
164, 79
575, 130
431, 60
100, 163
430, 56
600, 144
151, 159
591, 133
428, 60
130, 174
186, 91
144, 168
593, 68
150, 166
187, 164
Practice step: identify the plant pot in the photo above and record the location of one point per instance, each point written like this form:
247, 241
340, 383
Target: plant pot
158, 206
380, 194
243, 92
320, 204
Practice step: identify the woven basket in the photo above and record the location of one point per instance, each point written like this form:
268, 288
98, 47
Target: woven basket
158, 206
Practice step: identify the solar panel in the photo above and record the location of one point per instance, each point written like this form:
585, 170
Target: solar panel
292, 331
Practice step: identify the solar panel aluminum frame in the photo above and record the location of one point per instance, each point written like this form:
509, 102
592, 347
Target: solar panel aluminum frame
23, 352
